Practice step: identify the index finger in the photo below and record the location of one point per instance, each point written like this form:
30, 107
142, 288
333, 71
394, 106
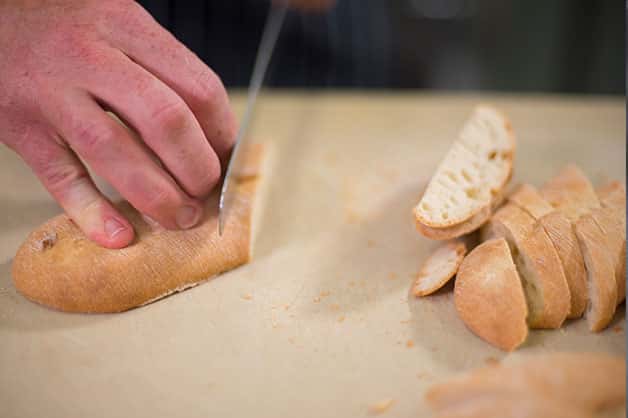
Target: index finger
159, 52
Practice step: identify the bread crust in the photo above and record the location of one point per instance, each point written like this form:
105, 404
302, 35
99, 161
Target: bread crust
600, 273
57, 266
571, 192
538, 263
613, 229
439, 268
528, 198
560, 231
489, 298
588, 381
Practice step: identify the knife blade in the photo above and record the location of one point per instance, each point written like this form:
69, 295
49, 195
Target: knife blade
272, 27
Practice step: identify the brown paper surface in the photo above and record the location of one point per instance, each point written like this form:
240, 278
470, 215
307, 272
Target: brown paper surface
321, 323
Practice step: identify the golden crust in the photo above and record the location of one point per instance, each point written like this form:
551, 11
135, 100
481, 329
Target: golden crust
439, 268
571, 192
59, 267
600, 273
489, 298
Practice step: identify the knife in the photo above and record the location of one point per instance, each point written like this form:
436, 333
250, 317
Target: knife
272, 27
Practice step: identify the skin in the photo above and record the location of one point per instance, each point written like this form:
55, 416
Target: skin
65, 63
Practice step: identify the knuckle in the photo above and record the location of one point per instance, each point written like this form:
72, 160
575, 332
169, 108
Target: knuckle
171, 117
60, 178
95, 138
206, 181
206, 88
160, 198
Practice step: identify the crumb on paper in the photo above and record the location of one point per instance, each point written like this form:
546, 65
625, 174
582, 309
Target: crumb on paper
491, 361
405, 321
334, 307
618, 329
325, 293
352, 217
392, 276
317, 299
424, 375
409, 343
370, 243
351, 283
341, 318
247, 296
286, 307
381, 406
291, 340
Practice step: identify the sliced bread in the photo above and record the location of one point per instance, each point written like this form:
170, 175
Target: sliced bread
489, 298
613, 230
471, 176
439, 267
571, 192
601, 281
539, 266
560, 232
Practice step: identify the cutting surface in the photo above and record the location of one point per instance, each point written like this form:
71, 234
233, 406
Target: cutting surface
321, 323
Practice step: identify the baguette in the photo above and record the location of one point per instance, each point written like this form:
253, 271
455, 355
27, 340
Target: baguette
571, 192
59, 267
489, 298
469, 179
439, 268
538, 263
601, 282
560, 232
587, 381
613, 195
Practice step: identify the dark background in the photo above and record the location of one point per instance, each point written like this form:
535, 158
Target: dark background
552, 46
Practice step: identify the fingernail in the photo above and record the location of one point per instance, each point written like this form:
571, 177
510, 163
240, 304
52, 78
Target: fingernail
188, 216
113, 227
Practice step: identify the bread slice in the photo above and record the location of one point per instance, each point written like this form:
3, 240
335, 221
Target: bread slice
613, 195
538, 263
613, 229
59, 267
571, 192
527, 197
587, 381
489, 298
601, 281
472, 174
511, 406
439, 268
560, 232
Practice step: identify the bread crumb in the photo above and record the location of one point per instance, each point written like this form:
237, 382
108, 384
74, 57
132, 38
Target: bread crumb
618, 329
325, 293
381, 406
351, 283
409, 343
334, 307
247, 296
491, 361
424, 375
291, 340
286, 307
316, 299
405, 321
392, 276
370, 243
341, 318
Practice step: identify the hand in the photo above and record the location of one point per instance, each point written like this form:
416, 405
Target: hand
64, 62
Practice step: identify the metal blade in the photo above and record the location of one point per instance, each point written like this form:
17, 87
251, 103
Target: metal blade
272, 28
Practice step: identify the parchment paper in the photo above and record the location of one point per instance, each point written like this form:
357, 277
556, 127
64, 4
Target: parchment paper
320, 324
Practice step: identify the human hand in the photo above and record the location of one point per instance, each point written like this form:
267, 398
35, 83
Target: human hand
63, 63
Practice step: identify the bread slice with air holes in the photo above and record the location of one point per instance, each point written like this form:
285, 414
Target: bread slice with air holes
539, 266
601, 281
571, 192
560, 232
471, 177
489, 298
